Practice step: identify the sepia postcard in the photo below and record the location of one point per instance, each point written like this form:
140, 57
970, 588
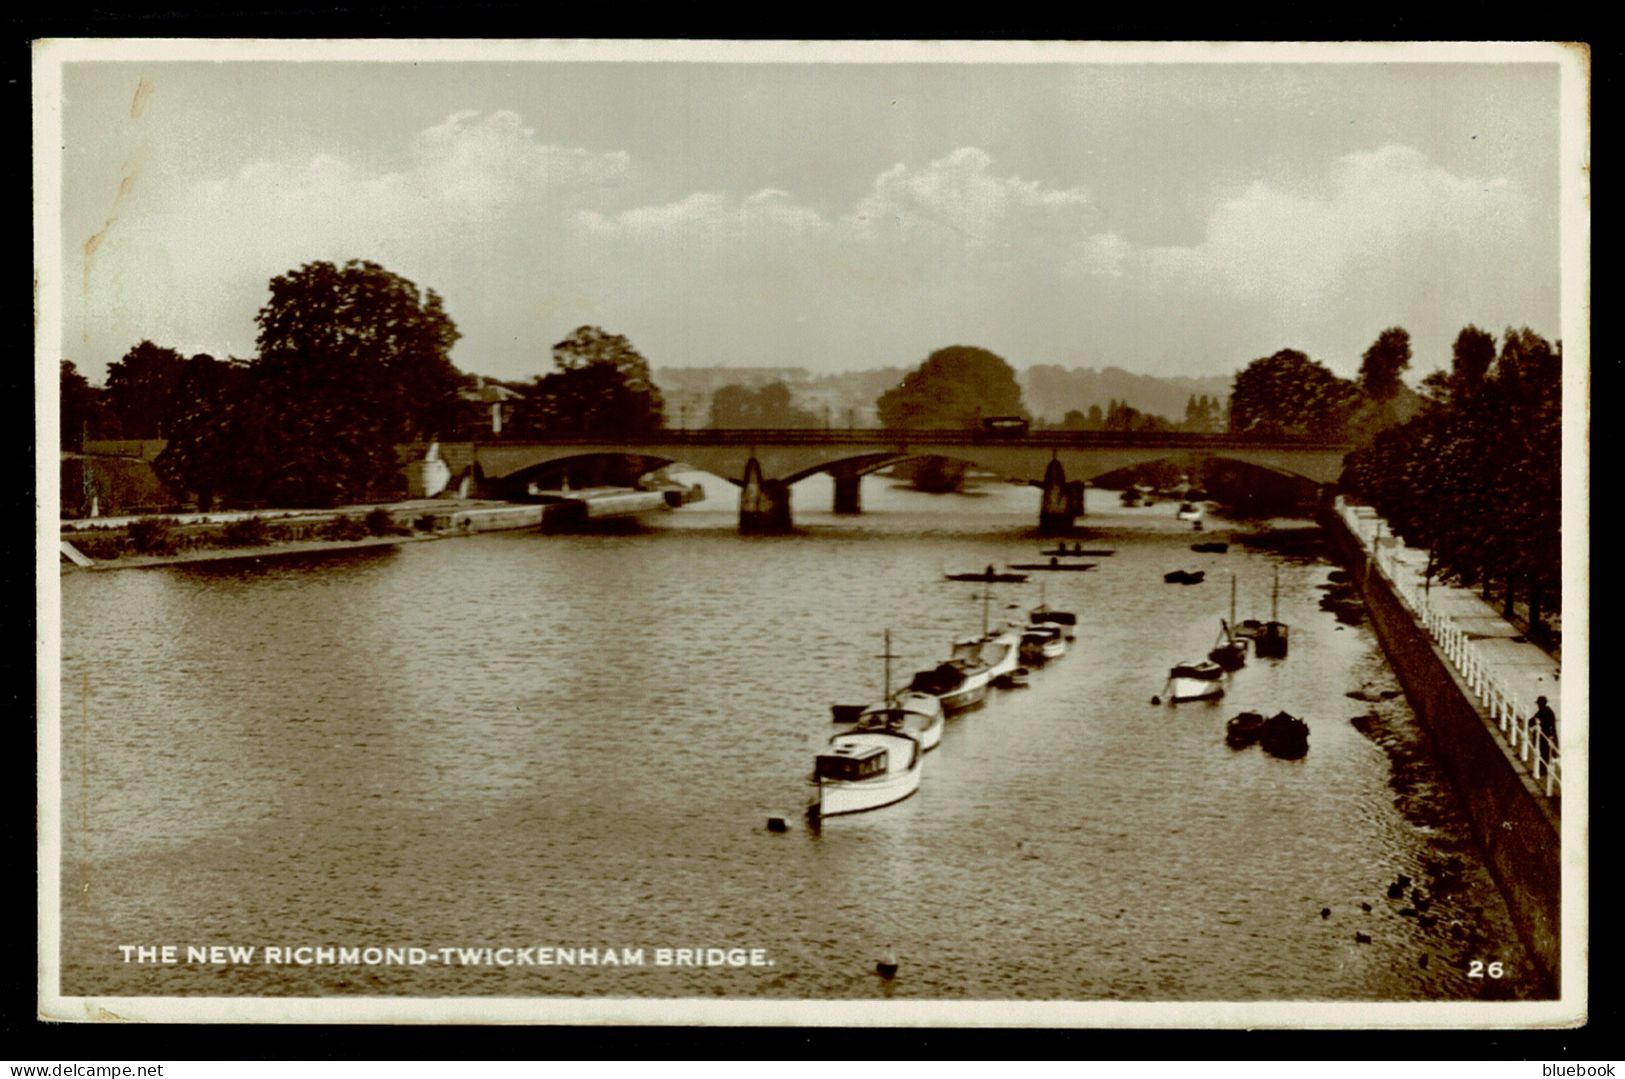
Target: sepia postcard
964, 534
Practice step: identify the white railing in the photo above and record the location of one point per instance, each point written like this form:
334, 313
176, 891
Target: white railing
1512, 715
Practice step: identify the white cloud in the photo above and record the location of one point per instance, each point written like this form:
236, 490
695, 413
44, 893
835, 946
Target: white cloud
769, 208
959, 193
1389, 221
199, 260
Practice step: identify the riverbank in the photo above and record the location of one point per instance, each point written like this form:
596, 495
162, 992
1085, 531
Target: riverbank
269, 550
107, 544
1511, 802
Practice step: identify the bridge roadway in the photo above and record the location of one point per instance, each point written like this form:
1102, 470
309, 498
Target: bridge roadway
765, 463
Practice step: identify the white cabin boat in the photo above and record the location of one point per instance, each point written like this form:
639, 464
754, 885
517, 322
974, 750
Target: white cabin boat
1195, 682
960, 681
866, 770
919, 715
1001, 653
1042, 643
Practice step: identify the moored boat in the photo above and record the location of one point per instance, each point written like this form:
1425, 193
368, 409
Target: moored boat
914, 713
1016, 679
1189, 511
1180, 576
866, 769
1042, 615
919, 715
1053, 565
1042, 643
1284, 735
1195, 682
1229, 651
1270, 638
988, 575
959, 682
1242, 730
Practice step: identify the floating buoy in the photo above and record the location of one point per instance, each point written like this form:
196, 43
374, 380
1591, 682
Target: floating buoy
1422, 962
1156, 700
1403, 881
1395, 891
1325, 912
887, 966
1361, 938
1366, 907
1406, 912
777, 824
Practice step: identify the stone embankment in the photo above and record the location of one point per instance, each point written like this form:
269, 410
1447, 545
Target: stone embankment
1472, 680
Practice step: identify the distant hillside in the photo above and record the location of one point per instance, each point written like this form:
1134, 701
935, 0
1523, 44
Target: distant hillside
848, 397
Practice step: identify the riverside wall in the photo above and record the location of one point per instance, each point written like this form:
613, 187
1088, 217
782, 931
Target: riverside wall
1516, 825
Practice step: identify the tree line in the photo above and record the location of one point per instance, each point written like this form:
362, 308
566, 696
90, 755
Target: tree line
1476, 476
351, 362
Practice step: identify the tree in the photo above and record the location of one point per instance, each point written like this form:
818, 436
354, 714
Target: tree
766, 406
1476, 478
1470, 359
205, 411
1288, 393
139, 385
955, 387
83, 410
1388, 355
353, 360
602, 386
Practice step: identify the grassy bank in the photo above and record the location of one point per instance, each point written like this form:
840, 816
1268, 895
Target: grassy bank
164, 540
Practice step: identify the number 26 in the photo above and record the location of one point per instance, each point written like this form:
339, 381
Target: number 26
1477, 969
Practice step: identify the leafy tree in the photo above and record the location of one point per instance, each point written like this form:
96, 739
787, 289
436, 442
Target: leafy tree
138, 388
83, 410
1121, 416
203, 414
1075, 420
1476, 478
1470, 359
602, 386
955, 387
767, 406
1388, 355
1288, 393
353, 361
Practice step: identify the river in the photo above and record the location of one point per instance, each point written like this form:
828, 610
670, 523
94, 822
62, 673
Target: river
574, 741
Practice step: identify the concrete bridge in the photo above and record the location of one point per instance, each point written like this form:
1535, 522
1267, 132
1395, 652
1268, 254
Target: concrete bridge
765, 464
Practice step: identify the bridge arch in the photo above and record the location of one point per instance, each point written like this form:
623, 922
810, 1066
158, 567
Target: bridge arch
595, 469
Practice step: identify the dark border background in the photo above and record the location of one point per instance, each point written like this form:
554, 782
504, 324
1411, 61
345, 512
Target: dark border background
25, 1038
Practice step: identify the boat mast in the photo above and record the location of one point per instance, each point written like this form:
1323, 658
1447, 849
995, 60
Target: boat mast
1275, 594
987, 594
885, 690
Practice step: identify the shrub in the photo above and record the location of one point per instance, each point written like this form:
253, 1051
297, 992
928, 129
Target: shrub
101, 546
380, 523
153, 535
247, 532
343, 528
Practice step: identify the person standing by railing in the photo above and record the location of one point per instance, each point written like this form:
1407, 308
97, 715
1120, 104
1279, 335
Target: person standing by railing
1546, 720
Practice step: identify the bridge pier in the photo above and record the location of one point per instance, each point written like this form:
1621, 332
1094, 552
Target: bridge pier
1055, 505
1074, 498
764, 505
847, 500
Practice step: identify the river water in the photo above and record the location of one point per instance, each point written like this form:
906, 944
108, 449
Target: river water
574, 741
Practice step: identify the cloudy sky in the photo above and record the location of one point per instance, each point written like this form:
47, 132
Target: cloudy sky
1170, 218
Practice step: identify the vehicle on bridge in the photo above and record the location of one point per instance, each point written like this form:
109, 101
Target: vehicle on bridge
1006, 426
